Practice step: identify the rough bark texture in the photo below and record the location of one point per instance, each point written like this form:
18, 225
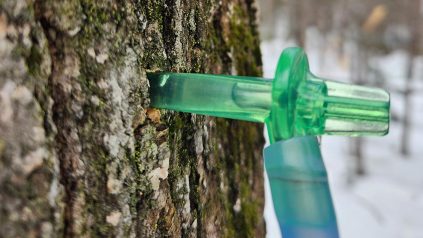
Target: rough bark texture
82, 155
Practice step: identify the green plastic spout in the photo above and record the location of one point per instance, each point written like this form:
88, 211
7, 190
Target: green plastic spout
294, 103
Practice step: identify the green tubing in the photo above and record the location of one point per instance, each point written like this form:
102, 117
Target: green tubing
300, 190
294, 103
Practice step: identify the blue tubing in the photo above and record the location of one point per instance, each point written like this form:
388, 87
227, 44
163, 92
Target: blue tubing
300, 189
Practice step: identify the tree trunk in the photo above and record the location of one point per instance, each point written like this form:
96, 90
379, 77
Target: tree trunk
413, 51
359, 74
83, 155
408, 112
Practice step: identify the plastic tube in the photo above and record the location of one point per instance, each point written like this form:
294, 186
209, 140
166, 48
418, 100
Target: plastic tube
300, 189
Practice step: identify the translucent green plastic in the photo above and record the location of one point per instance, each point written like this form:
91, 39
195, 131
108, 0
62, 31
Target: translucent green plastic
300, 189
294, 103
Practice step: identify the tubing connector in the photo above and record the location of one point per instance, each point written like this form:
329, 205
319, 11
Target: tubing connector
295, 103
303, 104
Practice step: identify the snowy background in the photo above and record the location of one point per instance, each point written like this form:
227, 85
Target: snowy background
377, 183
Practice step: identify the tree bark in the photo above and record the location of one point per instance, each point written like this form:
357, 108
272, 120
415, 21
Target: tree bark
83, 155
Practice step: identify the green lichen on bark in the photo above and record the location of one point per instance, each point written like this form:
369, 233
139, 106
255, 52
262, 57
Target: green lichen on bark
100, 163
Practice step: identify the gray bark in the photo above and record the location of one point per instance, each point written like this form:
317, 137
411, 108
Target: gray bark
83, 155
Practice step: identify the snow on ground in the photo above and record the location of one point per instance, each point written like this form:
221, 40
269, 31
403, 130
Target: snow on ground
388, 201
